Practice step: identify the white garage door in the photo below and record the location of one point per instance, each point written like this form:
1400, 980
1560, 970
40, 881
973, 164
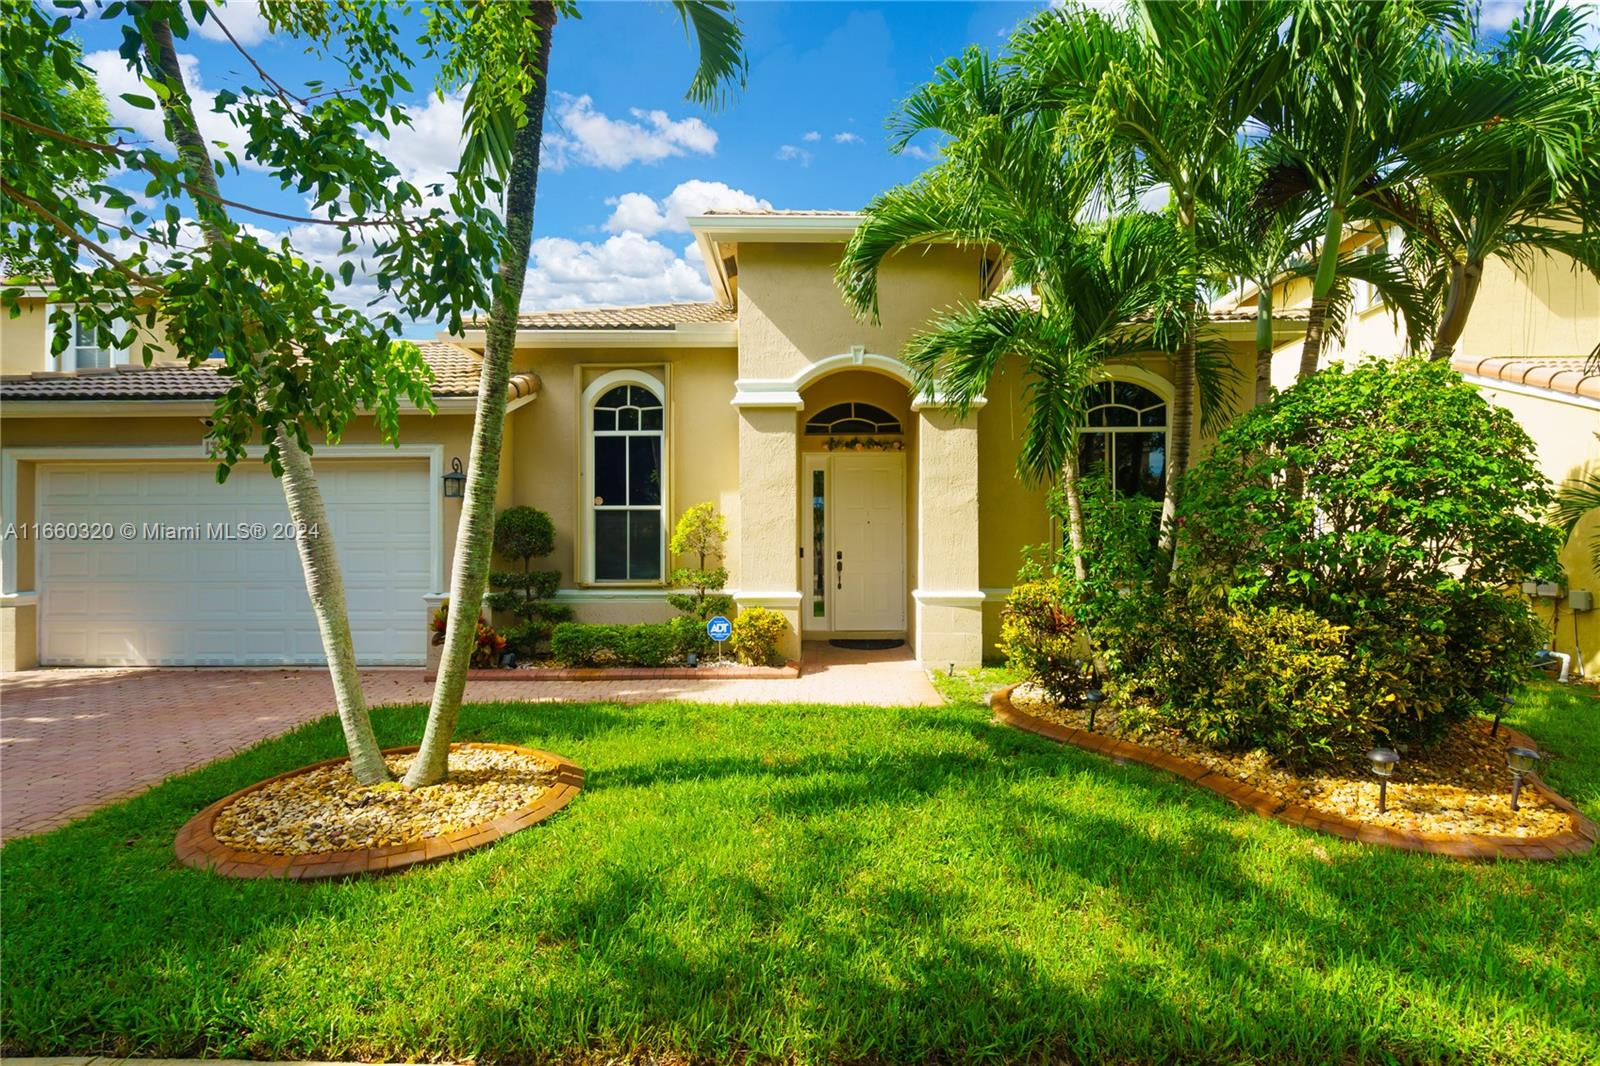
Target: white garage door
205, 599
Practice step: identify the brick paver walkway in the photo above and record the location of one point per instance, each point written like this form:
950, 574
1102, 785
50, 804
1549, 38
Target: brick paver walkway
75, 740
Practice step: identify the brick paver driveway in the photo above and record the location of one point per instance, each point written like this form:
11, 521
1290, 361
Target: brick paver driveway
75, 740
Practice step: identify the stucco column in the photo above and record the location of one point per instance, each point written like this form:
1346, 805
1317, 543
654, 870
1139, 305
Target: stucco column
769, 534
948, 597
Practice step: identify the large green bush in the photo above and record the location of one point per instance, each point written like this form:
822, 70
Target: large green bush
1392, 503
755, 637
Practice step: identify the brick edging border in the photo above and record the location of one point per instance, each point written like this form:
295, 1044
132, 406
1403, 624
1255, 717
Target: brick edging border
198, 848
787, 672
1577, 840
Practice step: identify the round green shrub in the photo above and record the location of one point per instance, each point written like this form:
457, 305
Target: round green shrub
524, 533
1390, 501
756, 633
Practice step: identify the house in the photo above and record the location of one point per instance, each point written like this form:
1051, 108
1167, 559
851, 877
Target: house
857, 506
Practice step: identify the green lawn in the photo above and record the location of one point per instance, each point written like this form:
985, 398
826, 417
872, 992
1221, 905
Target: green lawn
816, 884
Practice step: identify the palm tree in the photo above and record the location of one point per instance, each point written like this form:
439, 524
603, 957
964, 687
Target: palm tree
1522, 202
1005, 184
1165, 95
1246, 241
505, 51
1576, 500
1381, 98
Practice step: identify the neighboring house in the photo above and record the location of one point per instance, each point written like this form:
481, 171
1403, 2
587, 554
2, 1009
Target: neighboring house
620, 419
1527, 347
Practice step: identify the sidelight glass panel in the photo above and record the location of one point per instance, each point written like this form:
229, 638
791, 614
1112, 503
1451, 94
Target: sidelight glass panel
819, 560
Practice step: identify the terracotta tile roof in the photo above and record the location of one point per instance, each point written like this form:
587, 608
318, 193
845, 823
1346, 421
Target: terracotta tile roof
1029, 299
1571, 375
775, 212
641, 316
455, 371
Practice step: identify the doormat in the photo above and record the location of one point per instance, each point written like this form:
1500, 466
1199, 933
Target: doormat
868, 645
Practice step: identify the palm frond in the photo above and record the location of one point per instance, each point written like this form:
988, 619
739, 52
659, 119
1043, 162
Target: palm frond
722, 63
1576, 500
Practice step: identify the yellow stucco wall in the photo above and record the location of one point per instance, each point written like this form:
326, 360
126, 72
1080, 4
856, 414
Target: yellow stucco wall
25, 341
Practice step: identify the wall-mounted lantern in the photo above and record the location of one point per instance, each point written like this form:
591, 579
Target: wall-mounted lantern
455, 482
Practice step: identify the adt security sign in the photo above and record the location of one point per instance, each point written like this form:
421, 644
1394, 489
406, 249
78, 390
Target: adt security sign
719, 629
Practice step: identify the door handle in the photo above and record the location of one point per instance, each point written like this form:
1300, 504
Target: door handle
839, 566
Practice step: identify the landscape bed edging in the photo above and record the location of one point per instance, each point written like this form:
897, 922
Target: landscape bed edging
1577, 840
197, 847
787, 672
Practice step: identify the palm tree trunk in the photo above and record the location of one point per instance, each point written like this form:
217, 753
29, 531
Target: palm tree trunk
475, 535
1177, 445
1075, 532
1464, 281
1264, 345
325, 583
324, 580
1321, 287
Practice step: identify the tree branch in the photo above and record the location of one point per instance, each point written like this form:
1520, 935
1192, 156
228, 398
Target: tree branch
61, 227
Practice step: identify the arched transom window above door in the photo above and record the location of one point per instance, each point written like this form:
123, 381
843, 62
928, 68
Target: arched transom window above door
1125, 437
625, 477
842, 418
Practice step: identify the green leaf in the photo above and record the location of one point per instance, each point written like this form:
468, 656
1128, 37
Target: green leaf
142, 102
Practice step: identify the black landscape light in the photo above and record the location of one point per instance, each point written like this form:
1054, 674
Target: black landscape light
692, 659
1094, 698
508, 659
1506, 703
455, 482
1383, 762
1521, 761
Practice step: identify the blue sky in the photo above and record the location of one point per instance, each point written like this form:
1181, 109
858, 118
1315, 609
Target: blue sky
626, 156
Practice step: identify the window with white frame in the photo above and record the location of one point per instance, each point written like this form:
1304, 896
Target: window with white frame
84, 350
1125, 437
625, 477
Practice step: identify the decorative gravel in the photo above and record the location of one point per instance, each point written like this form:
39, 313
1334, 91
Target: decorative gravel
325, 810
1457, 784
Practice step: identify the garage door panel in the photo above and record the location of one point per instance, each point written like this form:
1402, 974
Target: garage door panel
227, 601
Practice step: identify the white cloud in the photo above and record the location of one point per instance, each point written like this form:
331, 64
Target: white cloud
243, 19
916, 151
811, 135
1497, 16
789, 153
846, 138
112, 73
627, 268
580, 134
637, 212
430, 148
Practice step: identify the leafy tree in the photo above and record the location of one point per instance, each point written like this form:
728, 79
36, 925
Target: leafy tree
501, 52
701, 532
1163, 94
1004, 183
297, 361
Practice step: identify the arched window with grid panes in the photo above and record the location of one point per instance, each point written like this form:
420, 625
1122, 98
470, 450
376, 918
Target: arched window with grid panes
851, 418
1125, 437
625, 477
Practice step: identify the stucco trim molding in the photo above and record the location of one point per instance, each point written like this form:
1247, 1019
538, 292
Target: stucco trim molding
616, 595
767, 598
1516, 388
785, 392
925, 401
948, 597
19, 599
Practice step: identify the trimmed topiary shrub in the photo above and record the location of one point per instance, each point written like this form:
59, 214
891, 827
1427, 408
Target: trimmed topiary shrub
756, 633
701, 532
1040, 636
525, 534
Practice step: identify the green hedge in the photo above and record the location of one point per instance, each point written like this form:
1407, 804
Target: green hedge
646, 644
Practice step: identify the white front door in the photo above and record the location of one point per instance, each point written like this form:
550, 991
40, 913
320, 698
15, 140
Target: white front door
867, 549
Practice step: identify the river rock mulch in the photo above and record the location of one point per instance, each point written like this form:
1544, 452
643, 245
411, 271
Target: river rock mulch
1458, 784
326, 810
